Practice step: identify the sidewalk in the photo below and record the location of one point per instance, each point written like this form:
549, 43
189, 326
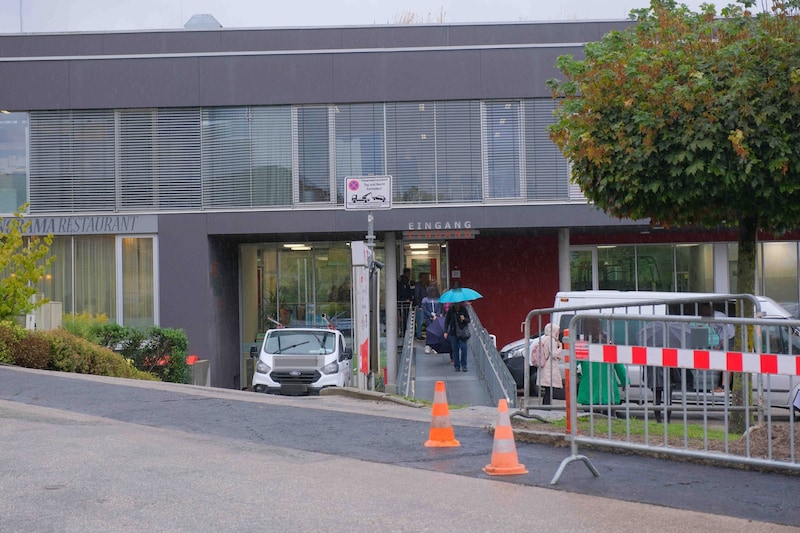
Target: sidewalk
463, 388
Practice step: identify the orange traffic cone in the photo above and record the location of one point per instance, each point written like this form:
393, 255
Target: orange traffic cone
504, 451
441, 434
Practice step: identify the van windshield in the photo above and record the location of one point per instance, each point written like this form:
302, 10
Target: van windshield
288, 342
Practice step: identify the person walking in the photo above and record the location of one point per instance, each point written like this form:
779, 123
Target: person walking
420, 291
431, 308
456, 330
405, 295
548, 377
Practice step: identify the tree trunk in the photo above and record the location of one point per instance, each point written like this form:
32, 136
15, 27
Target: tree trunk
746, 272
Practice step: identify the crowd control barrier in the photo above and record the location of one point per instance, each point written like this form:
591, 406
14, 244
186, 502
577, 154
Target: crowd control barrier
679, 385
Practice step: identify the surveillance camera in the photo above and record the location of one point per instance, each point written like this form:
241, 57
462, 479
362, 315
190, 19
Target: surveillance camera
377, 264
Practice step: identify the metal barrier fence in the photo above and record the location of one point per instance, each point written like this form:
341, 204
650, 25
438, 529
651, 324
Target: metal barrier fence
484, 352
733, 304
671, 384
405, 368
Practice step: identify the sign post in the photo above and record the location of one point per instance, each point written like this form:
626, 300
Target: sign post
366, 193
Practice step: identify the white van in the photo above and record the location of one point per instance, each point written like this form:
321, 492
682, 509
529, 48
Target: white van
298, 361
782, 389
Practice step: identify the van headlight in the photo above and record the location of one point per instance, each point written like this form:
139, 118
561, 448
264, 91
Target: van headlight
331, 368
262, 367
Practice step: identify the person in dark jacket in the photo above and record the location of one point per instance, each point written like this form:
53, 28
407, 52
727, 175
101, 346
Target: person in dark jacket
420, 291
456, 330
405, 297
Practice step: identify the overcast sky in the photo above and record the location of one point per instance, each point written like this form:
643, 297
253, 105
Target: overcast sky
109, 15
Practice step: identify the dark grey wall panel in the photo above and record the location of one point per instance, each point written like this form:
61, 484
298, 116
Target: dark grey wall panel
134, 83
41, 85
161, 42
45, 45
339, 221
407, 76
285, 65
185, 296
266, 80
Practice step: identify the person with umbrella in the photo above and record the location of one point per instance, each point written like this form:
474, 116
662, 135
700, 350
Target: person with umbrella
456, 323
456, 330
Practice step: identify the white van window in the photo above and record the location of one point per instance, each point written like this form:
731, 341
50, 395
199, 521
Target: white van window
290, 342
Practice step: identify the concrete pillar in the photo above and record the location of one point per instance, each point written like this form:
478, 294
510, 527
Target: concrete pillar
390, 272
564, 282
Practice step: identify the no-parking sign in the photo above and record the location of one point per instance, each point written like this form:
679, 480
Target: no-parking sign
368, 193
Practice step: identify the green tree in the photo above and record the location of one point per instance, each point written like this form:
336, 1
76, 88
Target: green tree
690, 119
23, 261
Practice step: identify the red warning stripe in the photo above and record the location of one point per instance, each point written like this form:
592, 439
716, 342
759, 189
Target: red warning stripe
698, 359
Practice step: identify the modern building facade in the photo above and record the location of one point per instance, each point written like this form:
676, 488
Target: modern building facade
195, 178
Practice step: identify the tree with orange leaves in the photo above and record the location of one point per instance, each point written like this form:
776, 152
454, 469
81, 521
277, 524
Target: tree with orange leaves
690, 119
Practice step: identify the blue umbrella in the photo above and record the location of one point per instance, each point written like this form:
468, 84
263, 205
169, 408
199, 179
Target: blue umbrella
459, 294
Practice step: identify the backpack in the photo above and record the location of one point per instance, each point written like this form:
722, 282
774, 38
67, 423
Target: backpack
537, 355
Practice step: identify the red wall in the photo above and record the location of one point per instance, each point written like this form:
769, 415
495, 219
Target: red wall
514, 275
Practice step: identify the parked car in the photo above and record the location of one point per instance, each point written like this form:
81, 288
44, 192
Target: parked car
299, 361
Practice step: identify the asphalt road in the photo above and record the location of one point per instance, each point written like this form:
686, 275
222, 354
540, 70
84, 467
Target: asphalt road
82, 453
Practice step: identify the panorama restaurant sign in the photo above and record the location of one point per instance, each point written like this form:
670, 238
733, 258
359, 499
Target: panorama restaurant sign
88, 225
439, 229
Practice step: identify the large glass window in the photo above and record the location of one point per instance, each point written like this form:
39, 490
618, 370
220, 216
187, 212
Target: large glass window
95, 276
272, 155
226, 157
313, 153
581, 270
694, 267
411, 151
359, 142
458, 151
546, 168
13, 161
138, 282
655, 268
616, 268
88, 271
502, 149
777, 268
57, 282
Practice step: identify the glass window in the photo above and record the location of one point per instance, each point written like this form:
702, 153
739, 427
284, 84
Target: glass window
73, 161
616, 268
226, 157
57, 283
655, 268
458, 151
694, 267
359, 142
13, 161
777, 268
546, 168
733, 267
581, 272
411, 151
95, 276
313, 150
272, 155
138, 282
502, 149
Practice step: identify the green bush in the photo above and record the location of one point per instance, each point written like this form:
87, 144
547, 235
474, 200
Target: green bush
90, 345
10, 334
159, 351
85, 325
33, 351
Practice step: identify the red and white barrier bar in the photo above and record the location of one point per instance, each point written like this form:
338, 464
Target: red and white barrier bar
759, 363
